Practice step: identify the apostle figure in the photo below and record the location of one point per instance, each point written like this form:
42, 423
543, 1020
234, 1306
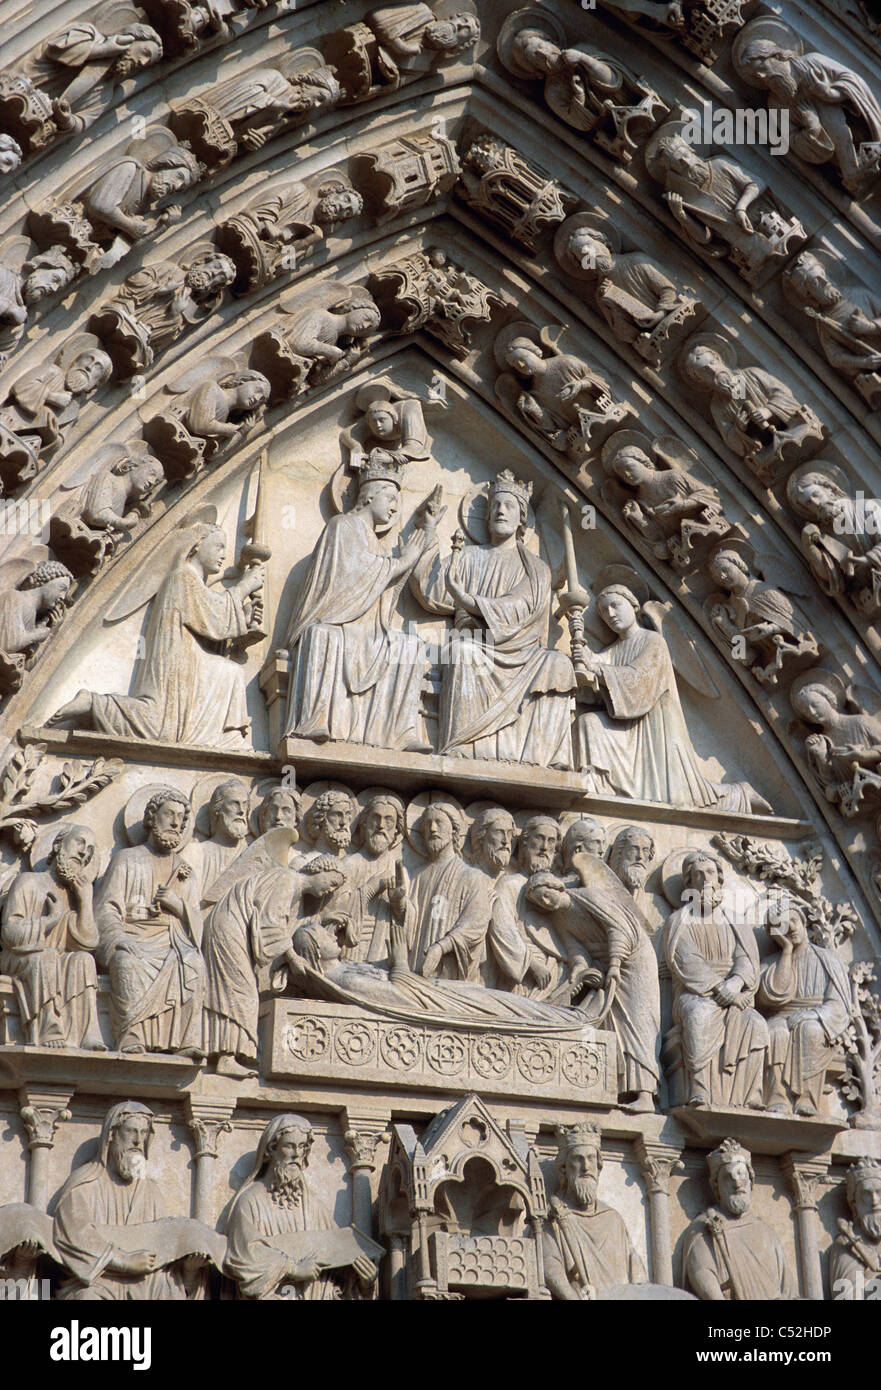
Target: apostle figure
848, 324
610, 933
447, 912
842, 538
406, 32
184, 691
374, 877
526, 952
505, 694
586, 1245
279, 807
355, 677
276, 1203
641, 748
48, 937
253, 920
228, 808
855, 1258
631, 856
835, 114
150, 927
110, 1192
806, 993
728, 1253
714, 964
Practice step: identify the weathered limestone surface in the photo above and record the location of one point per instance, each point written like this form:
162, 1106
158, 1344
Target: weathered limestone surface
440, 731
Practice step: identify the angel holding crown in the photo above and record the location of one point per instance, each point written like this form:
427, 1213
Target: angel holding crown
505, 694
185, 691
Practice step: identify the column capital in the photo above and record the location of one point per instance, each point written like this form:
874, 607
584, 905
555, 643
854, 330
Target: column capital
362, 1134
657, 1163
42, 1110
207, 1120
805, 1174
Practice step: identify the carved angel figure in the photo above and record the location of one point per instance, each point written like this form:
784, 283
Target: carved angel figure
842, 538
845, 755
636, 297
183, 691
710, 199
834, 115
848, 322
762, 625
674, 512
756, 415
221, 399
44, 403
113, 489
32, 604
244, 112
637, 744
588, 89
392, 425
394, 43
155, 303
72, 65
325, 330
26, 278
555, 392
277, 229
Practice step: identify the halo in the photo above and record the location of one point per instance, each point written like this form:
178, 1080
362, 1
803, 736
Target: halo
623, 575
38, 855
203, 791
765, 27
711, 340
818, 675
652, 158
529, 18
79, 343
133, 814
595, 222
259, 794
830, 470
419, 804
622, 439
837, 268
518, 329
473, 509
365, 797
447, 8
310, 795
738, 545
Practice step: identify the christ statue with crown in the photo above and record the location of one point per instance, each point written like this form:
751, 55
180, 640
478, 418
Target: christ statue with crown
505, 694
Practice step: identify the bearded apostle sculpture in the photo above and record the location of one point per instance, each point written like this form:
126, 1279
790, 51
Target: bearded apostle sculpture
806, 994
835, 116
855, 1257
375, 883
756, 415
447, 908
842, 535
719, 1039
710, 200
847, 319
148, 918
48, 938
45, 404
278, 229
74, 62
586, 1245
183, 691
396, 43
283, 1240
640, 746
354, 676
729, 1253
111, 1228
227, 816
505, 695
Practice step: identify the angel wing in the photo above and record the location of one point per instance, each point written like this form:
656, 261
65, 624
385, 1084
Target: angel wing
792, 579
115, 16
688, 663
147, 579
324, 295
12, 572
210, 368
865, 698
269, 852
14, 251
148, 146
105, 457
